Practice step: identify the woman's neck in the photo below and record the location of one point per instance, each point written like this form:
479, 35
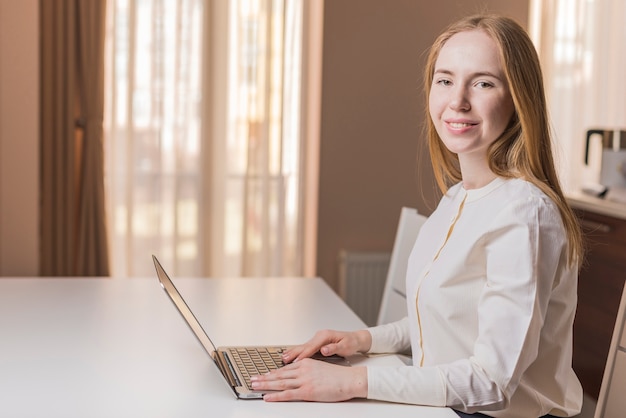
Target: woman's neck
475, 173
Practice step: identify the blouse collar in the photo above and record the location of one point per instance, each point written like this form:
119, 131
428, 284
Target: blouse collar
475, 194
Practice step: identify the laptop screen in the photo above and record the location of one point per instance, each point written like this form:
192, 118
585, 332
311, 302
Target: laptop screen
184, 310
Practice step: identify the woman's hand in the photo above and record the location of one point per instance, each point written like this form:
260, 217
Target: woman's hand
313, 380
329, 343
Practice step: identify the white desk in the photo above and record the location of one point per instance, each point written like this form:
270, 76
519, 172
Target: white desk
117, 348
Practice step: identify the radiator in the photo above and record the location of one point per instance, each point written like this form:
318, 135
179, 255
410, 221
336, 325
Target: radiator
362, 277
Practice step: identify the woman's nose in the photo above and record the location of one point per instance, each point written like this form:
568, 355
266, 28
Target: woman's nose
459, 100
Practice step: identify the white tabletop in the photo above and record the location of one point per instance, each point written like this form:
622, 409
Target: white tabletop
118, 348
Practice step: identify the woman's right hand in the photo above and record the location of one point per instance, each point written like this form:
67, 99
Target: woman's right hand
328, 343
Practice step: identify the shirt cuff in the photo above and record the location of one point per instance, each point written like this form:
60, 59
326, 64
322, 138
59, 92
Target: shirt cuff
406, 384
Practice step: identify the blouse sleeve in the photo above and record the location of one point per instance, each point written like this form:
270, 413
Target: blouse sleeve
405, 384
391, 338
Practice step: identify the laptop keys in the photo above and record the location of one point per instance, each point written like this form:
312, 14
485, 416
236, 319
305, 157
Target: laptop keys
256, 360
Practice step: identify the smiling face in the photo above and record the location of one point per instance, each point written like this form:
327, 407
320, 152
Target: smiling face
469, 102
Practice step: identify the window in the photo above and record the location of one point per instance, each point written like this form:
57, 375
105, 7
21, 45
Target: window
206, 132
580, 44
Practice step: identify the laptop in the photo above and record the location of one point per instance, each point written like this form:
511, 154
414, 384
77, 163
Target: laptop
236, 363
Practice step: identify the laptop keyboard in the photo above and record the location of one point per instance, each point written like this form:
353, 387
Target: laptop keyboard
256, 360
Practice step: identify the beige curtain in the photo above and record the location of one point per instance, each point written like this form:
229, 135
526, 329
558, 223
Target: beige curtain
74, 241
57, 139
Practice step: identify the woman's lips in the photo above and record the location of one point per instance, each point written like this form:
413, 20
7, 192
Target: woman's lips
460, 125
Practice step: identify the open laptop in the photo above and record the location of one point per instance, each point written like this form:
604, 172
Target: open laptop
237, 363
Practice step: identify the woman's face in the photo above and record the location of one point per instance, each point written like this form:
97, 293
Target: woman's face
469, 103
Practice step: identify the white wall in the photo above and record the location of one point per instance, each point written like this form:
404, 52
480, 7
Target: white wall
19, 135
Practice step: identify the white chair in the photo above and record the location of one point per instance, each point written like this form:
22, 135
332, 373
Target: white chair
612, 398
393, 303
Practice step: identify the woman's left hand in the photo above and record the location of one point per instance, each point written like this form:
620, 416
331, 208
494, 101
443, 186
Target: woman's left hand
313, 380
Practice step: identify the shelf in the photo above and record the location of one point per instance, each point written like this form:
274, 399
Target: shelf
588, 203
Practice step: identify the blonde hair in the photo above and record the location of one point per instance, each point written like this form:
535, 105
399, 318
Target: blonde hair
524, 149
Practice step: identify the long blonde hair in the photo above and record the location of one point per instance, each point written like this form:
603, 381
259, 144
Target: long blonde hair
524, 149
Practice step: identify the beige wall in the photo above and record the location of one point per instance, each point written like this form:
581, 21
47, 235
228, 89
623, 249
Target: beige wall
372, 116
19, 133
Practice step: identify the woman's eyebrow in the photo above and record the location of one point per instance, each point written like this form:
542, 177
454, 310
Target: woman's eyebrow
487, 74
473, 75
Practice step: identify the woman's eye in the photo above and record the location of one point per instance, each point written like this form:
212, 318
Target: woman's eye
443, 82
484, 84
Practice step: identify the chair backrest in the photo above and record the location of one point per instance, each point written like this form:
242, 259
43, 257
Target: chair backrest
393, 304
612, 399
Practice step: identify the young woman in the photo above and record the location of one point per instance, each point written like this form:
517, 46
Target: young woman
491, 281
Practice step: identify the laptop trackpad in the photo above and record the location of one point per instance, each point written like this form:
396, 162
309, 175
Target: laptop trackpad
334, 359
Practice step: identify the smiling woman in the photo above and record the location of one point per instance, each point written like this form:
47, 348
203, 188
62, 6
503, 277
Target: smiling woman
470, 103
491, 281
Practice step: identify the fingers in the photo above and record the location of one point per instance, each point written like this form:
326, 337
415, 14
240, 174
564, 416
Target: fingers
284, 396
284, 384
280, 380
309, 348
311, 380
294, 354
330, 349
284, 373
328, 343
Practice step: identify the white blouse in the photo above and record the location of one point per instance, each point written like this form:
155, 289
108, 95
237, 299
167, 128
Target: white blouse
491, 302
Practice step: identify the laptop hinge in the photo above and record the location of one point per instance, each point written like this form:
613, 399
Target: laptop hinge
228, 369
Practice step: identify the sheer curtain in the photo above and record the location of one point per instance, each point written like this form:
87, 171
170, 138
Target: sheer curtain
152, 134
206, 156
582, 47
256, 226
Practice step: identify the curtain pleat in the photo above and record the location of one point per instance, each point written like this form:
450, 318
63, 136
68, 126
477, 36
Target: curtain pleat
57, 138
73, 238
271, 208
92, 251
